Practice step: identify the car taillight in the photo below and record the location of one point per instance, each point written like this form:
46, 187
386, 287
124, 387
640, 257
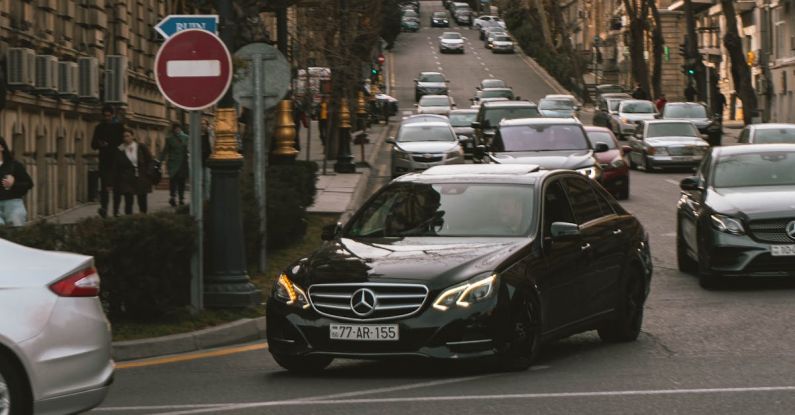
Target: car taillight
83, 283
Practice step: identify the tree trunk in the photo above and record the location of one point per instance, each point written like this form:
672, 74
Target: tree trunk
692, 52
567, 48
659, 43
542, 12
637, 31
741, 73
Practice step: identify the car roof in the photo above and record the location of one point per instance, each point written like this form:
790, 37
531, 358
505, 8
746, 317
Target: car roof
595, 129
464, 111
451, 33
507, 103
539, 121
559, 96
498, 88
771, 126
422, 118
751, 148
667, 121
431, 73
478, 173
615, 95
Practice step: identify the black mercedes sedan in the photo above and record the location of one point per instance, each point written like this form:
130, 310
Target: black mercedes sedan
465, 262
736, 217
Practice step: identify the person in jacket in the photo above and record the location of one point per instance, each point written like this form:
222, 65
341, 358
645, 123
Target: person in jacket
660, 103
106, 139
175, 155
132, 166
639, 92
14, 185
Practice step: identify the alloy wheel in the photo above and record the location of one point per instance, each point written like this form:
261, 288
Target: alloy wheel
5, 397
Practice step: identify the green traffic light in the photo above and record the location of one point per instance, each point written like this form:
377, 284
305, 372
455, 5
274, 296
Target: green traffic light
691, 72
374, 71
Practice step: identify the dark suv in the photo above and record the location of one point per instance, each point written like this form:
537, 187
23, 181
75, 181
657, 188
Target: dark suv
491, 113
464, 262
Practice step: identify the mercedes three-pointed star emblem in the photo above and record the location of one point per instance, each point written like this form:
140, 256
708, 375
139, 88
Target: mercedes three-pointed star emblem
363, 302
790, 229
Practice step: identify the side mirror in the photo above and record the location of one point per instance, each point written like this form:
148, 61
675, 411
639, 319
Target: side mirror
564, 230
331, 232
479, 152
689, 183
391, 140
601, 148
475, 125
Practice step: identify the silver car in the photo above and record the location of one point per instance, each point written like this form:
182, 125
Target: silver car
630, 112
55, 343
502, 44
666, 143
767, 134
435, 104
451, 42
419, 146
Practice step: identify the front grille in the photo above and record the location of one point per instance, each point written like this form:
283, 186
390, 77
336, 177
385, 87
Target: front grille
393, 300
767, 263
771, 230
428, 158
681, 151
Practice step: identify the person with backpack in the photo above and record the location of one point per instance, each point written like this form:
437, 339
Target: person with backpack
14, 185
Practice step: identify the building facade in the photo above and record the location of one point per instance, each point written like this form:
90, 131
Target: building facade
63, 60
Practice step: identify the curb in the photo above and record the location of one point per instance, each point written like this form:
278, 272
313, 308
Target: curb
239, 331
549, 79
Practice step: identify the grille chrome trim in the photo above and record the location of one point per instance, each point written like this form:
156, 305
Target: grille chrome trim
395, 301
771, 230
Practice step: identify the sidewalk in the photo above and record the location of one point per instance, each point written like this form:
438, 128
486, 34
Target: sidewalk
157, 201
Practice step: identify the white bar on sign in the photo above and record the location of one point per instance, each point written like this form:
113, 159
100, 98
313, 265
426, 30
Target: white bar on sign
193, 69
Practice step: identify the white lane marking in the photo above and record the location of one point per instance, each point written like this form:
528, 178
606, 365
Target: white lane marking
483, 63
487, 69
673, 182
440, 68
395, 388
491, 75
193, 68
669, 234
453, 398
479, 58
408, 112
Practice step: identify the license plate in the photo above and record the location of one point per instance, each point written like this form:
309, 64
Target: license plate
782, 250
384, 332
682, 158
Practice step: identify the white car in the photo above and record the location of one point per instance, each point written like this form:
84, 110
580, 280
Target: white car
451, 42
502, 44
479, 21
435, 104
55, 342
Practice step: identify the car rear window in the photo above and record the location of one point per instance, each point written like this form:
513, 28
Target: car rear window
637, 107
494, 115
545, 137
684, 111
500, 93
769, 168
775, 136
427, 101
462, 119
601, 137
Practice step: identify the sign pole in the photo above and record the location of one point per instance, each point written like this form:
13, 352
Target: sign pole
196, 210
260, 162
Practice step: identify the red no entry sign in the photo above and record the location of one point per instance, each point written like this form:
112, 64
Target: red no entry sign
193, 69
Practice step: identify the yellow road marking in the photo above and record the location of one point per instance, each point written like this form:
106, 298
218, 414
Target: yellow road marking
191, 356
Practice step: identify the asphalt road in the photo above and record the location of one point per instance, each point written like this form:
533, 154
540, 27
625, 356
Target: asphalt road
701, 352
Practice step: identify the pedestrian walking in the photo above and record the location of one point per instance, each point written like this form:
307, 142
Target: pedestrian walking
660, 103
322, 119
14, 185
175, 155
132, 166
106, 139
720, 103
639, 92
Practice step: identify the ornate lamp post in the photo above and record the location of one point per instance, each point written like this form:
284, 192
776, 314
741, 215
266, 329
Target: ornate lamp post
344, 162
285, 131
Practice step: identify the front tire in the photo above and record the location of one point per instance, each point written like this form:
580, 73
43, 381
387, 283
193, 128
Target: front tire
524, 344
626, 327
303, 364
14, 396
683, 260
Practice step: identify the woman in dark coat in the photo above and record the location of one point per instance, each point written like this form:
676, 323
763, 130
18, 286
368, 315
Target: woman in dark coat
132, 165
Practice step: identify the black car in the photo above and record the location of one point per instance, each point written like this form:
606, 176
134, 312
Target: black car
440, 19
551, 143
430, 83
464, 262
709, 126
491, 113
736, 217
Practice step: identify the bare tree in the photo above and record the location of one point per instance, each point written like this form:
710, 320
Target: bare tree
637, 11
692, 51
563, 40
741, 73
542, 11
658, 43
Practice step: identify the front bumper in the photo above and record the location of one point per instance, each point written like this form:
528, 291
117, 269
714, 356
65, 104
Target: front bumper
459, 333
675, 161
741, 256
614, 180
402, 166
444, 47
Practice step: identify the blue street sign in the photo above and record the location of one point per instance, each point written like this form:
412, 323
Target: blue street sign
174, 23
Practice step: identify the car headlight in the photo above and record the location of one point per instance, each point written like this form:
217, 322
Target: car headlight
618, 163
464, 295
454, 154
286, 291
402, 155
727, 224
593, 172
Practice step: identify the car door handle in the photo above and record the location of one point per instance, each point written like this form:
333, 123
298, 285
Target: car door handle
584, 247
618, 232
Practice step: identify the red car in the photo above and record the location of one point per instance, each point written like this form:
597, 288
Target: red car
615, 169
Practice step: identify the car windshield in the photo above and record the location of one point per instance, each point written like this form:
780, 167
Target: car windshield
766, 168
496, 93
462, 119
410, 13
448, 209
614, 103
427, 101
451, 36
774, 136
419, 132
555, 104
545, 137
492, 83
684, 111
434, 77
493, 116
637, 107
674, 129
601, 137
439, 15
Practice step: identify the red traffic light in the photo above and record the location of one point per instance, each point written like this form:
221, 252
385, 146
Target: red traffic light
380, 58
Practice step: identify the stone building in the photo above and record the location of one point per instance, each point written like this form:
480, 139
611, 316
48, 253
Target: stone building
64, 59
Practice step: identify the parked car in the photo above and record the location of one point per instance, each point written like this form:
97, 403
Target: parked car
491, 34
615, 169
606, 111
480, 21
502, 44
465, 262
477, 103
430, 83
435, 104
629, 112
440, 19
767, 134
409, 24
485, 26
491, 113
558, 108
451, 42
709, 126
491, 83
551, 143
506, 93
411, 13
55, 343
735, 217
419, 146
461, 120
666, 143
